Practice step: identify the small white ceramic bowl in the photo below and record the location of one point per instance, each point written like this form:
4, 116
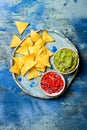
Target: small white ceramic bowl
71, 70
54, 94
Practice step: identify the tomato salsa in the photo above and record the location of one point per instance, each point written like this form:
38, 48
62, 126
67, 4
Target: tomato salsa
52, 82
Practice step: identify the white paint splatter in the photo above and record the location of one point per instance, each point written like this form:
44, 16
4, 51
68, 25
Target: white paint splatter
14, 2
83, 46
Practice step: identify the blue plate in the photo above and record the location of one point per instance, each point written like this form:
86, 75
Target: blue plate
32, 87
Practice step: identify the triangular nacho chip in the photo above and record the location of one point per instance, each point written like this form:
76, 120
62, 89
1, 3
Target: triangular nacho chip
40, 42
33, 73
39, 65
27, 42
21, 26
29, 63
50, 53
34, 36
34, 49
35, 56
19, 61
38, 54
22, 50
41, 69
15, 41
27, 66
15, 69
28, 57
46, 37
47, 51
44, 58
42, 52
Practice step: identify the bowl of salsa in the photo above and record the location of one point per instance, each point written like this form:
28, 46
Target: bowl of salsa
66, 60
52, 83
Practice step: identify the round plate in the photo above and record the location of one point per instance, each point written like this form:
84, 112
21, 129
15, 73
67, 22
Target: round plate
32, 87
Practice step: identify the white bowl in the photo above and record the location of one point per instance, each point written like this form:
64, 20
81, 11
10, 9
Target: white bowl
71, 70
54, 93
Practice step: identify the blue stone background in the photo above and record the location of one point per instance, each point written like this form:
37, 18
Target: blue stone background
19, 111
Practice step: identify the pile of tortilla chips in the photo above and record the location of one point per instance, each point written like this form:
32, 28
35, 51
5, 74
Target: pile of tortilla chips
33, 55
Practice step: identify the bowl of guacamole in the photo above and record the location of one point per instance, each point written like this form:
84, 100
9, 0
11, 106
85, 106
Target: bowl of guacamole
66, 60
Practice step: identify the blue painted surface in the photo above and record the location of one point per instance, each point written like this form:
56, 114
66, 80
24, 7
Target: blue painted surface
81, 30
20, 111
7, 82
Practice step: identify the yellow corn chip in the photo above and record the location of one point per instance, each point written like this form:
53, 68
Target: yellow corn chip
27, 42
15, 69
50, 53
35, 36
41, 69
33, 73
22, 50
29, 63
35, 57
42, 52
21, 26
44, 58
34, 49
47, 51
39, 65
38, 54
46, 37
15, 41
27, 66
19, 61
39, 42
28, 57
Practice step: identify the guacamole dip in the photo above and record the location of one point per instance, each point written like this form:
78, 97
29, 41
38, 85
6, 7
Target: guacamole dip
65, 60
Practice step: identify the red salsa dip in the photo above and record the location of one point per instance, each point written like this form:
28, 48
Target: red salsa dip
52, 82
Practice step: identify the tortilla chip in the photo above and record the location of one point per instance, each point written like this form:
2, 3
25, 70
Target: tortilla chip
34, 49
46, 37
22, 50
27, 42
28, 57
15, 69
38, 54
29, 63
21, 26
39, 42
42, 51
39, 65
19, 61
27, 66
47, 51
35, 36
50, 53
35, 57
44, 60
41, 69
33, 73
15, 41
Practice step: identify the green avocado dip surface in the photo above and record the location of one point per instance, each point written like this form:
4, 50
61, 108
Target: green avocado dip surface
65, 60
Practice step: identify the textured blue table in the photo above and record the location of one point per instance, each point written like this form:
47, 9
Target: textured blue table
19, 111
